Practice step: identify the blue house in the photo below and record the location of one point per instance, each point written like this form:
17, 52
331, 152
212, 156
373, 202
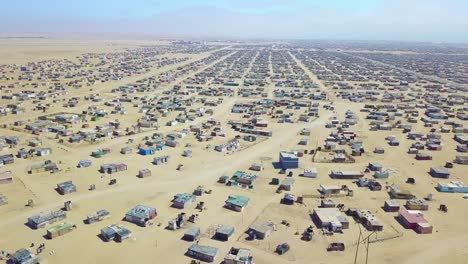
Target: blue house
452, 187
146, 151
288, 160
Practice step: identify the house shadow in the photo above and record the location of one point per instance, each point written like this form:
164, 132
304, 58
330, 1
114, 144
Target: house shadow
30, 226
314, 220
58, 191
276, 165
100, 236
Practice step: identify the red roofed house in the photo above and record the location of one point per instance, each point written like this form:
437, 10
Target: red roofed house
415, 220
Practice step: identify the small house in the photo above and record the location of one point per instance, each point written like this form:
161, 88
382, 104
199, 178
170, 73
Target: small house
331, 218
66, 187
115, 232
243, 178
256, 167
379, 150
261, 230
97, 216
288, 160
439, 172
383, 174
236, 202
113, 168
423, 156
84, 163
60, 230
203, 253
140, 214
391, 206
223, 179
327, 203
398, 193
238, 256
145, 151
192, 234
369, 220
310, 173
452, 187
160, 160
413, 219
463, 160
143, 173
287, 184
224, 232
6, 159
375, 166
6, 177
45, 218
43, 152
414, 204
43, 167
182, 200
288, 199
348, 175
126, 150
24, 256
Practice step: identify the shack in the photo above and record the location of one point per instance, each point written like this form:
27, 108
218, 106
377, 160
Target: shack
236, 202
6, 177
140, 214
45, 218
113, 168
261, 230
160, 160
66, 187
203, 253
310, 173
287, 184
452, 187
43, 167
439, 172
346, 175
192, 234
414, 204
182, 200
60, 230
143, 173
97, 216
238, 256
115, 232
391, 206
331, 218
224, 232
398, 193
24, 256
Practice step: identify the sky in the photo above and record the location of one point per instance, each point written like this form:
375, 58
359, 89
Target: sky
405, 20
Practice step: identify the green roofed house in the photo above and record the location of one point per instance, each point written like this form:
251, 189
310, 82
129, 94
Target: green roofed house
203, 253
236, 202
60, 230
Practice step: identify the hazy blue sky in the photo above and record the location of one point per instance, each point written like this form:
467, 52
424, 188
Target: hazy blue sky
419, 20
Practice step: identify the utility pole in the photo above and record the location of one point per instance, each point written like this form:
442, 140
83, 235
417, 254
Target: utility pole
357, 246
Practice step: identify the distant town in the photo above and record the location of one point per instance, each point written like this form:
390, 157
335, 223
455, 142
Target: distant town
234, 152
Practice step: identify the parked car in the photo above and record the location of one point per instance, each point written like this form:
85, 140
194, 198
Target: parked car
283, 248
